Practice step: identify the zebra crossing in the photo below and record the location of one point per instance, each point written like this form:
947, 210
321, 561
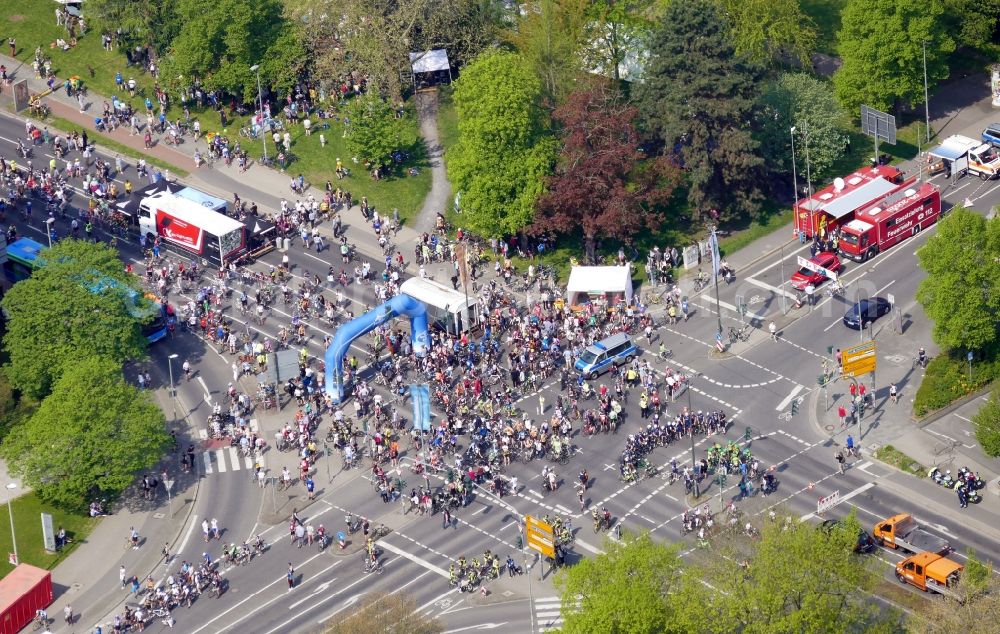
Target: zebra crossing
225, 459
548, 614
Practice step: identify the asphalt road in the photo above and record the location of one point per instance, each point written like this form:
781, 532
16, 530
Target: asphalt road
754, 383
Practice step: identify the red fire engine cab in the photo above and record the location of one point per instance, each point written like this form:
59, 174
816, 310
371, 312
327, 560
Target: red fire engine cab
897, 216
836, 204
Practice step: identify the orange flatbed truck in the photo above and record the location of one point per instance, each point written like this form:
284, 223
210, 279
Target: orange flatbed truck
902, 532
930, 572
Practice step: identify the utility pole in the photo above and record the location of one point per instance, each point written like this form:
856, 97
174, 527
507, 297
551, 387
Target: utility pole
927, 106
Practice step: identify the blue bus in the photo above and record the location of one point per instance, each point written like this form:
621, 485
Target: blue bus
23, 258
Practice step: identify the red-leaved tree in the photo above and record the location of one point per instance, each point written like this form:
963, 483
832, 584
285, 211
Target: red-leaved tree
603, 185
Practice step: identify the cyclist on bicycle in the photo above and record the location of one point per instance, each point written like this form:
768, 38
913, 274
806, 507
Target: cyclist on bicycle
186, 367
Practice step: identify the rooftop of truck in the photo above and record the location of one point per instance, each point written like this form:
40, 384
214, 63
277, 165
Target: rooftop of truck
942, 564
859, 188
191, 212
891, 204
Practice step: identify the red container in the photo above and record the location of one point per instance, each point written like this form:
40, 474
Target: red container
22, 592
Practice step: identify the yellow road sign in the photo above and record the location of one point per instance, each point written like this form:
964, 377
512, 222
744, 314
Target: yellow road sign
540, 537
859, 359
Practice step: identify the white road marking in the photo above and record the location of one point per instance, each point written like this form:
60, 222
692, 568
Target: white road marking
208, 394
220, 460
858, 491
788, 399
769, 287
208, 462
728, 306
417, 560
234, 454
593, 549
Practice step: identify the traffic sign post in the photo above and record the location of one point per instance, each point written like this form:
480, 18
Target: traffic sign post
540, 537
859, 359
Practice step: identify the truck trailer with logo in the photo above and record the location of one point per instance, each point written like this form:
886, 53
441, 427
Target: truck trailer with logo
195, 229
898, 216
835, 205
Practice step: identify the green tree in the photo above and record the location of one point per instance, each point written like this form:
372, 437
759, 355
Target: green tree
386, 614
375, 38
765, 30
54, 320
503, 153
805, 102
961, 292
375, 131
881, 45
220, 40
550, 40
615, 33
698, 96
987, 423
142, 22
91, 436
973, 23
621, 591
794, 579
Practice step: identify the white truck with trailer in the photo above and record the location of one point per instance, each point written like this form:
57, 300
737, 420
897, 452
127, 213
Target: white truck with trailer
192, 227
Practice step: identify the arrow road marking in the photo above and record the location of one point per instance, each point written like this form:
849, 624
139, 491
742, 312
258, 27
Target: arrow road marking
321, 588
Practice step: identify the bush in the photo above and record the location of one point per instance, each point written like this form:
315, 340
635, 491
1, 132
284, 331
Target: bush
987, 423
947, 379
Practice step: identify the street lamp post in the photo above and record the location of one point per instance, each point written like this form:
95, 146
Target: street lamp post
795, 212
10, 511
49, 223
927, 106
173, 391
260, 105
697, 486
805, 135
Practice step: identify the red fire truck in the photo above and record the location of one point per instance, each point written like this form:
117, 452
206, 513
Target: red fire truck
836, 204
896, 217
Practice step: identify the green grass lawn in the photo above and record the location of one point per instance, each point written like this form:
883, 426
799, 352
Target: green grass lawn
318, 164
34, 24
27, 511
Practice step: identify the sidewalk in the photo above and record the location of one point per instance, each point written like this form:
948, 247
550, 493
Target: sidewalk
88, 578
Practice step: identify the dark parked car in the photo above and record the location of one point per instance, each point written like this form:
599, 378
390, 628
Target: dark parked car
866, 311
865, 542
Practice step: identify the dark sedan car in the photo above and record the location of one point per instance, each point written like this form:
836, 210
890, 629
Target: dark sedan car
865, 543
866, 311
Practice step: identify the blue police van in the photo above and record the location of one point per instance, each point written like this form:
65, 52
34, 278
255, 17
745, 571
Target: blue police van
605, 354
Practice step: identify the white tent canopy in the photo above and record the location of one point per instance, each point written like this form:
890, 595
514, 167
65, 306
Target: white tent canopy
612, 282
430, 61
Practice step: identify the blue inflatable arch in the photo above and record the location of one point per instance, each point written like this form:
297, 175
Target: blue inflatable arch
399, 305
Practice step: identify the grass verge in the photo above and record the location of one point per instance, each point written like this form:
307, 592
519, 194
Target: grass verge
890, 455
318, 163
116, 146
756, 230
27, 511
947, 379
